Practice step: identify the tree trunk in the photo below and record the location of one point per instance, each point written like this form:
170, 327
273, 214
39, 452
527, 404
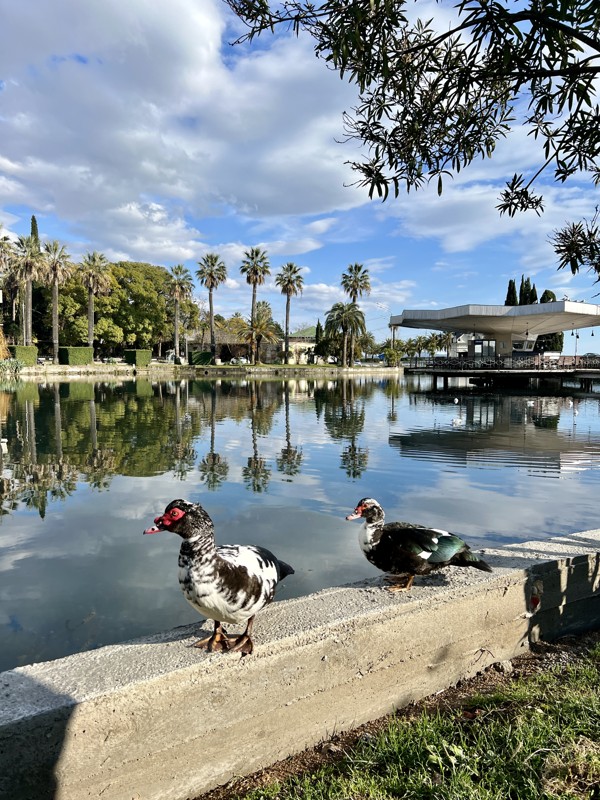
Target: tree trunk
28, 313
287, 329
55, 320
90, 318
252, 317
211, 318
176, 336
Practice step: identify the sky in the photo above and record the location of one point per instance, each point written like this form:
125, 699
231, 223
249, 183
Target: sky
139, 130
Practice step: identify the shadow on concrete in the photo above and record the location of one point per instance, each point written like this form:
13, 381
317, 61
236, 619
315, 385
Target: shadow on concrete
562, 597
33, 725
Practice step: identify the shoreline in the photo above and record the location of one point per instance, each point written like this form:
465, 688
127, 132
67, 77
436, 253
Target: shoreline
160, 370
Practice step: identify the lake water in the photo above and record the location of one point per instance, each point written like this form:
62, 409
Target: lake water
86, 467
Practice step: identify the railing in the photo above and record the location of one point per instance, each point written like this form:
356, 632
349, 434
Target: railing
535, 362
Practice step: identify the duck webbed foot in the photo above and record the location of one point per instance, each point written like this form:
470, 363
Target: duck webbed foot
219, 642
399, 583
243, 644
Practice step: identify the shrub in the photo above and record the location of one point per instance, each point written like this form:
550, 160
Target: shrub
10, 368
26, 355
137, 358
199, 358
76, 356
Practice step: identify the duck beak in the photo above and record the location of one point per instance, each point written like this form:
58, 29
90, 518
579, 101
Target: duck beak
157, 527
356, 514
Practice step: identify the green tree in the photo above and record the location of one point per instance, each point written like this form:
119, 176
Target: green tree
26, 265
436, 96
180, 289
511, 294
318, 332
355, 282
291, 282
255, 267
212, 274
34, 231
262, 329
57, 269
343, 319
95, 277
553, 342
533, 298
6, 257
446, 339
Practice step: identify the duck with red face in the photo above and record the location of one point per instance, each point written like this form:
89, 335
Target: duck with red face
405, 549
226, 583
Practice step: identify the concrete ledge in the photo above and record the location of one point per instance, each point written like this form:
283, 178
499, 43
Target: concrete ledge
154, 718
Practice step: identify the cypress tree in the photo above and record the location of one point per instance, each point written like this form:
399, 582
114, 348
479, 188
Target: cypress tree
34, 231
511, 294
522, 301
533, 296
318, 332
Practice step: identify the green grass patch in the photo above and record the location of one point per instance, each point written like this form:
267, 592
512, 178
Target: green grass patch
535, 738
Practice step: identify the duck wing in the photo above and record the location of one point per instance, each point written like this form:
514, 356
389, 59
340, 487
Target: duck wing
434, 546
251, 569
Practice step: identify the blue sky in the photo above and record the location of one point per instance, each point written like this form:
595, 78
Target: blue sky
136, 129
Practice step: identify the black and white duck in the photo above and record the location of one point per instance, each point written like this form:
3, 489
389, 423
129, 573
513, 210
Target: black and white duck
226, 583
403, 549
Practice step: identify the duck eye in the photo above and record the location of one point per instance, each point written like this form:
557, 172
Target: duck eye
175, 513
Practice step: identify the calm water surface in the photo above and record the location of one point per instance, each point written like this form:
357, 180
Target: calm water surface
86, 467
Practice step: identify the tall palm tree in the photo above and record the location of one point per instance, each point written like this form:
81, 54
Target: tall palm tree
255, 267
355, 282
180, 288
344, 319
212, 274
95, 276
57, 268
291, 282
26, 265
7, 254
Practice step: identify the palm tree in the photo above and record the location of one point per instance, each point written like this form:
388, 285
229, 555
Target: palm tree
6, 252
290, 281
344, 318
255, 267
212, 274
95, 276
355, 282
6, 259
58, 269
180, 288
263, 327
446, 340
26, 266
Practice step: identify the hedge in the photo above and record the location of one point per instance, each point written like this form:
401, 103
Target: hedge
76, 356
26, 355
138, 358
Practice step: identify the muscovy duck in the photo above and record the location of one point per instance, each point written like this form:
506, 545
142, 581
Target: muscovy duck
406, 549
229, 583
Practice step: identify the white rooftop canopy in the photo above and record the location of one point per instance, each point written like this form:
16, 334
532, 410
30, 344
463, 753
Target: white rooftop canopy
519, 322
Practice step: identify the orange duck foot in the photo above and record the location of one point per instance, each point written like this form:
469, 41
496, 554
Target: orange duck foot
399, 583
217, 643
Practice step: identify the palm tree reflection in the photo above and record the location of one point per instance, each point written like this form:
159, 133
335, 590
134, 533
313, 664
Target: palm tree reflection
213, 468
289, 460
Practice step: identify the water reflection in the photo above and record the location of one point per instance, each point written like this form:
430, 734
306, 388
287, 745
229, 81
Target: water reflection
499, 430
86, 466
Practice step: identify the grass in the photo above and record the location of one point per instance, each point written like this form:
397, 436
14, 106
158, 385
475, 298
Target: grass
534, 738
